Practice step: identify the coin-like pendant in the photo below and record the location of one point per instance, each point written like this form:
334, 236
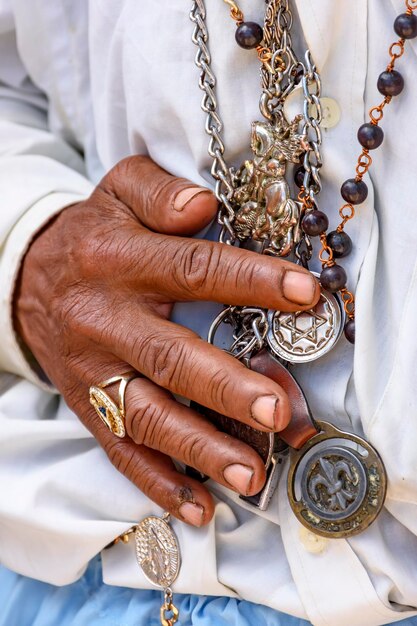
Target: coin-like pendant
336, 483
157, 551
304, 336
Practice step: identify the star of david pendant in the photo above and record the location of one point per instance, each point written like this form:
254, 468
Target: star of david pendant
336, 483
305, 336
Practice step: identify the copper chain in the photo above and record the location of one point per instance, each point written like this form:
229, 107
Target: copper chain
347, 211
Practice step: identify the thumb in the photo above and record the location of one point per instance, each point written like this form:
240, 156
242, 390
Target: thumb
162, 202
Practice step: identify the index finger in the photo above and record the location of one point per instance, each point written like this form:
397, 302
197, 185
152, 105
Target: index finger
189, 269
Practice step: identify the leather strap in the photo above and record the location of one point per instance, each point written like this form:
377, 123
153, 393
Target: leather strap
302, 427
269, 446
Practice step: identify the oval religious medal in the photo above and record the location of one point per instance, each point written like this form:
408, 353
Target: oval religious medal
157, 551
336, 483
304, 336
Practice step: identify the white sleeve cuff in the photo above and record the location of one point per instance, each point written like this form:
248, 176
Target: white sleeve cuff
13, 356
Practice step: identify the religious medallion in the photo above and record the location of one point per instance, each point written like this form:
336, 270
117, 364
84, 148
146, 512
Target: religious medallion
336, 483
157, 551
304, 336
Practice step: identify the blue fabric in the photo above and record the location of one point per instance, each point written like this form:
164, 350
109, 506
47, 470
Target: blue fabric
88, 602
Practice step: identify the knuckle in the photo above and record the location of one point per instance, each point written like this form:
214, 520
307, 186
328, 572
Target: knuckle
121, 456
196, 262
80, 314
193, 449
220, 390
120, 174
151, 484
147, 423
245, 271
164, 360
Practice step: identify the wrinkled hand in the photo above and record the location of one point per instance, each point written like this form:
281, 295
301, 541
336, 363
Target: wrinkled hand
95, 294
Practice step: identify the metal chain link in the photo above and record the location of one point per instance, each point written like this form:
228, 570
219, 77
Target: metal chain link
214, 125
313, 116
250, 327
280, 74
312, 163
281, 71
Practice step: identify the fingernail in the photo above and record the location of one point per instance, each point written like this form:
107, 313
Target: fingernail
299, 287
192, 513
185, 196
239, 477
265, 411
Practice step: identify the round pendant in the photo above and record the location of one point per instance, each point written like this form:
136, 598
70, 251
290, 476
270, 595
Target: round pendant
157, 551
305, 336
336, 483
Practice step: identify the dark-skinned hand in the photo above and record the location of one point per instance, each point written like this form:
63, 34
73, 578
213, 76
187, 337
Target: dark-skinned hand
94, 298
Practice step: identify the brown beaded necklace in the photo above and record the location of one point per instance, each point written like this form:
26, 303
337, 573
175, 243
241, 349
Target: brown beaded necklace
337, 244
257, 212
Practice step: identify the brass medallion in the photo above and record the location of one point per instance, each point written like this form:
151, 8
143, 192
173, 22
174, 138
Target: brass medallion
336, 483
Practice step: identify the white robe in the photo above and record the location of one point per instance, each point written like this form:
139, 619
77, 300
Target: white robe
118, 78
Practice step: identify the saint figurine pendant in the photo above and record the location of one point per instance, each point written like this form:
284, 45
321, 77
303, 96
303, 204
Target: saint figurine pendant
266, 215
268, 221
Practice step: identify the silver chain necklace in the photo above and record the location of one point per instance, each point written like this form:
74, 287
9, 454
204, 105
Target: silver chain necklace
277, 84
241, 216
336, 481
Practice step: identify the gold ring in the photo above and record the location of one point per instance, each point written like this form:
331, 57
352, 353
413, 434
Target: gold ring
109, 412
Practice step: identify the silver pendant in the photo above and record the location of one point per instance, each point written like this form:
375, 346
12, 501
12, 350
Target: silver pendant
266, 213
305, 336
157, 551
336, 483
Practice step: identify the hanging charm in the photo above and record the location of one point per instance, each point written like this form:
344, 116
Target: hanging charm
158, 554
304, 336
266, 212
336, 483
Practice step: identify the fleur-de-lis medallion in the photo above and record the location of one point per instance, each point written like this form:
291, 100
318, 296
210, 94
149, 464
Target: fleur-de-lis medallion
336, 483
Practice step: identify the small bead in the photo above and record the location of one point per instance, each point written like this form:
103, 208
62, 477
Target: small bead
350, 331
249, 35
340, 243
406, 26
315, 223
370, 136
299, 176
333, 278
390, 83
354, 191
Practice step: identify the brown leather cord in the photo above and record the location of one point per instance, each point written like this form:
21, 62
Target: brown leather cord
302, 427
